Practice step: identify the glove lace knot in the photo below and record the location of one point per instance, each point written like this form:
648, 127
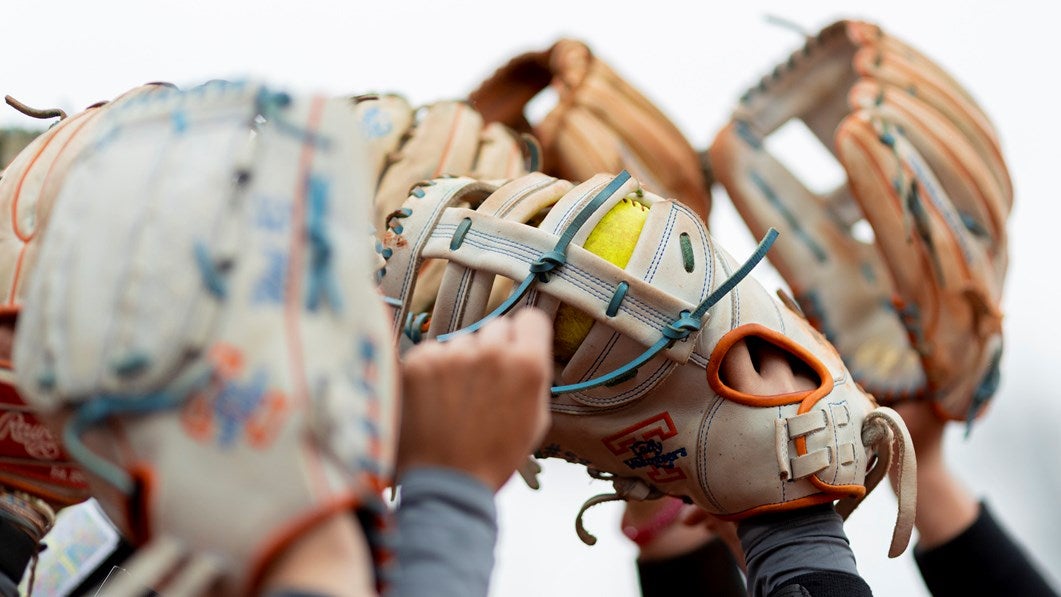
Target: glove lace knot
416, 325
545, 264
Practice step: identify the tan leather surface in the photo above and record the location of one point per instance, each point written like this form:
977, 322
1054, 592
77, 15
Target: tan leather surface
915, 312
600, 123
675, 426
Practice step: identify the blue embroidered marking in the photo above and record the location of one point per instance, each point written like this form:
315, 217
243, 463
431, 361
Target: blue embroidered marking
212, 275
235, 406
322, 284
180, 121
271, 213
369, 373
649, 453
132, 364
376, 124
269, 288
271, 106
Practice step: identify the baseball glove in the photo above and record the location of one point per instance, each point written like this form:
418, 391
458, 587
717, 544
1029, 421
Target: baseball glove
651, 320
914, 312
445, 138
37, 477
205, 324
600, 123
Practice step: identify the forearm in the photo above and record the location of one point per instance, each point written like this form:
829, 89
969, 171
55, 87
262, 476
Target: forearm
447, 529
981, 559
945, 508
806, 548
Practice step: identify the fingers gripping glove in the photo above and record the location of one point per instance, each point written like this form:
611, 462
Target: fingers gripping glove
600, 122
915, 313
446, 138
205, 319
640, 398
37, 477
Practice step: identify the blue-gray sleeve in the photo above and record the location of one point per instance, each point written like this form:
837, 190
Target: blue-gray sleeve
447, 529
804, 552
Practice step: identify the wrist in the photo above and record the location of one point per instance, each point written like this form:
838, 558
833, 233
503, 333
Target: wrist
944, 509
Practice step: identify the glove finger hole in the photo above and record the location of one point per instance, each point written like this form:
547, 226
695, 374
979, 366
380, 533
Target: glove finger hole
751, 366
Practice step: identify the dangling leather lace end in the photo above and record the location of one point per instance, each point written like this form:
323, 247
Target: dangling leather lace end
885, 431
529, 470
580, 529
625, 489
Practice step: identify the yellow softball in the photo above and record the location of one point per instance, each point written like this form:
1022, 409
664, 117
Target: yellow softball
613, 239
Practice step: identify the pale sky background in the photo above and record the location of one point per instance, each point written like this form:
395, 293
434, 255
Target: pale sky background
693, 60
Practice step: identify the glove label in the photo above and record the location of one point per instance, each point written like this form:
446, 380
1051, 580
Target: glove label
644, 442
245, 409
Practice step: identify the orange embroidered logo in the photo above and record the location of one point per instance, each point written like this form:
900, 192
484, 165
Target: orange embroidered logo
644, 441
235, 405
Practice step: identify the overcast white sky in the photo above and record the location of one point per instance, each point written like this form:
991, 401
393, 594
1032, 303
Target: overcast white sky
693, 59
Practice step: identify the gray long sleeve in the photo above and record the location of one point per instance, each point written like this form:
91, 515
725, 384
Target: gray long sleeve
447, 529
803, 552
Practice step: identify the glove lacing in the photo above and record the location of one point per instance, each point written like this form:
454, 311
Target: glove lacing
626, 488
884, 431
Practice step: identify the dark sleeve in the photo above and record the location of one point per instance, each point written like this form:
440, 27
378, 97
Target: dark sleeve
982, 560
447, 528
16, 550
802, 553
708, 570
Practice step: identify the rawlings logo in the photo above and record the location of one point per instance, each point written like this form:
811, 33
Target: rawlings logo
35, 438
645, 441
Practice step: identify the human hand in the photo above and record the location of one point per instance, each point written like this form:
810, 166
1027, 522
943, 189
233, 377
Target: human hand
480, 402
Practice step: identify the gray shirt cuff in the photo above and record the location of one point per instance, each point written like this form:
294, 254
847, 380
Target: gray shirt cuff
447, 529
781, 547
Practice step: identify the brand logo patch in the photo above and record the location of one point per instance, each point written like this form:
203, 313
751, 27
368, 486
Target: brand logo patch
644, 441
32, 436
236, 405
